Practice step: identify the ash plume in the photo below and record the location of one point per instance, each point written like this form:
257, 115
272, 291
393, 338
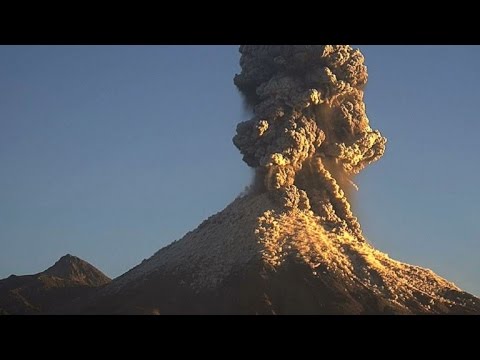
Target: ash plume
310, 134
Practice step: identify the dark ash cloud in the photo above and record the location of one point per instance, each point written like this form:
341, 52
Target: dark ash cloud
310, 133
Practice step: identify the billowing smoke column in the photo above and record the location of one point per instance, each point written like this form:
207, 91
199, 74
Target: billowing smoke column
310, 133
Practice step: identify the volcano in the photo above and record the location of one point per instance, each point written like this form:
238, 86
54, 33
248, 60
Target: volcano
255, 257
291, 244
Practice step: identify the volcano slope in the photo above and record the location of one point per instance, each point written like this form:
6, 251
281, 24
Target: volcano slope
256, 257
292, 244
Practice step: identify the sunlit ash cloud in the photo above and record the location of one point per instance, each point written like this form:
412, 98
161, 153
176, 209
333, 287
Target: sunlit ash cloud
310, 133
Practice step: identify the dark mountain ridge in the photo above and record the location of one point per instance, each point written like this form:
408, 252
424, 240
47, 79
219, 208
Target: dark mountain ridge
69, 278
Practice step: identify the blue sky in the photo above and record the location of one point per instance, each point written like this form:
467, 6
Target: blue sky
111, 152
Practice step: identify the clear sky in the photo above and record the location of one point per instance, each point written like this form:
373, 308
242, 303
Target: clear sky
111, 152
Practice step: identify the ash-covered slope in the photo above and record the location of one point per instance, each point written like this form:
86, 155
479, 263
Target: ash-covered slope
69, 278
255, 257
292, 245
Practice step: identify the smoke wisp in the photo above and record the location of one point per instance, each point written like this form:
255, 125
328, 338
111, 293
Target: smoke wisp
310, 134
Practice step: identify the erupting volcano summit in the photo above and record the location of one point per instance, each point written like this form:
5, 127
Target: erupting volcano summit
310, 134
